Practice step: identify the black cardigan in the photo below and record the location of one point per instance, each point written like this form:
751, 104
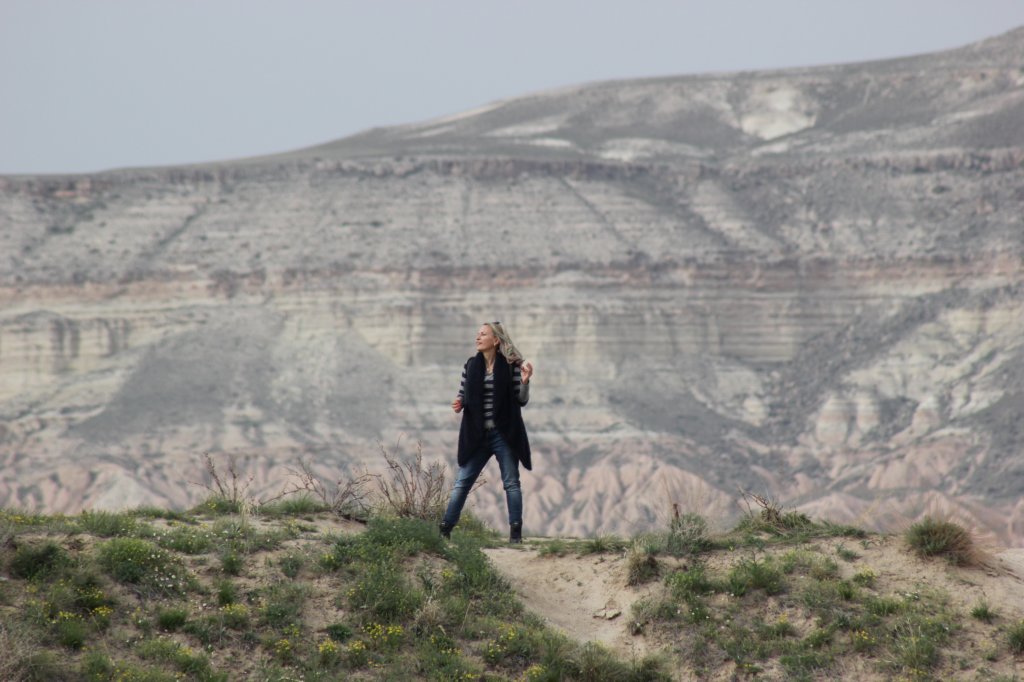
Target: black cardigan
508, 415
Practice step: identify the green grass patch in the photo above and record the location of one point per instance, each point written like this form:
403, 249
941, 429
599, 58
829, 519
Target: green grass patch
983, 611
846, 554
865, 577
404, 536
291, 564
556, 547
299, 505
141, 563
383, 594
147, 512
1015, 638
232, 562
883, 606
71, 630
915, 647
235, 616
809, 563
754, 574
283, 603
474, 579
186, 540
239, 535
107, 524
693, 582
187, 661
172, 618
602, 544
218, 505
38, 561
339, 632
226, 591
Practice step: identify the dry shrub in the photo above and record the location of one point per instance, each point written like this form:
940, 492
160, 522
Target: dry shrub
345, 497
17, 649
229, 488
939, 537
409, 488
412, 488
641, 561
769, 517
687, 533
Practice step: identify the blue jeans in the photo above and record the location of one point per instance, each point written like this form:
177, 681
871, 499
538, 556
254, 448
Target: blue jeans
495, 445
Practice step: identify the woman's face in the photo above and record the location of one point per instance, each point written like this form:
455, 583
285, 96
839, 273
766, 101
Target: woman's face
485, 338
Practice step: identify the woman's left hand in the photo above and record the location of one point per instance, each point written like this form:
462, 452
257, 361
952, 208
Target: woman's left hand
526, 371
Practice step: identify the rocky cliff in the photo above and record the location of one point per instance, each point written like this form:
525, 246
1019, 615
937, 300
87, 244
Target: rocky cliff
805, 283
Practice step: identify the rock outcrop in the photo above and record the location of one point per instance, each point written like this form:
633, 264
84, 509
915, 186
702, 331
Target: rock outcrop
805, 283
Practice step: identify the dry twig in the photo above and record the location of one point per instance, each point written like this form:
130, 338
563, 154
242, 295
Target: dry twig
412, 488
347, 498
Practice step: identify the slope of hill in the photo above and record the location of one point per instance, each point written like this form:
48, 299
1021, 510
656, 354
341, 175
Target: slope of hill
805, 283
294, 592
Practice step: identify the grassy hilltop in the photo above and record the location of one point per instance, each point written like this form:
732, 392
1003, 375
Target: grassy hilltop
299, 589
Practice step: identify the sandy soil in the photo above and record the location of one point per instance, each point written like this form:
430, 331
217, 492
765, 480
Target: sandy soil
587, 598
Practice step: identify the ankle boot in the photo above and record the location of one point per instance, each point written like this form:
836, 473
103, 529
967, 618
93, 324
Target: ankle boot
515, 533
446, 530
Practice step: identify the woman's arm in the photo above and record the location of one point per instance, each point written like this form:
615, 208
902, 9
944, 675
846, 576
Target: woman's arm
521, 380
457, 403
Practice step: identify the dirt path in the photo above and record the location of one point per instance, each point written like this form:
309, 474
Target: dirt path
585, 597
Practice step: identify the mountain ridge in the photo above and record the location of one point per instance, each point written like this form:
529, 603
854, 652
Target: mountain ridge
804, 283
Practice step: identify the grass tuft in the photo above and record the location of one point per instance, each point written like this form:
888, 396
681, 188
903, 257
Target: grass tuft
932, 537
1015, 638
31, 561
291, 564
299, 505
602, 544
687, 535
983, 611
556, 547
754, 574
107, 524
170, 619
641, 563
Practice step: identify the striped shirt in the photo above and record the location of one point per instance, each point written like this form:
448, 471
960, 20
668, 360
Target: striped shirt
522, 392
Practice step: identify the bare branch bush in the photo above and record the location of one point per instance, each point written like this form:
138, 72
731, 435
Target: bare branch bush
348, 498
229, 486
410, 487
770, 515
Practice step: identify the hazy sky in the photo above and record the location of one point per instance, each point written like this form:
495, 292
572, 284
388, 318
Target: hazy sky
95, 84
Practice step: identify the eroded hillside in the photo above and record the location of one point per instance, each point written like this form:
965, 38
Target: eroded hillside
805, 283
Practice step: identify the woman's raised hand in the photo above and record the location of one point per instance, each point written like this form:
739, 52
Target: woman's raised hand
526, 371
457, 405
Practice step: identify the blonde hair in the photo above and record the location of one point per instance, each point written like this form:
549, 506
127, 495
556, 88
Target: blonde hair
507, 348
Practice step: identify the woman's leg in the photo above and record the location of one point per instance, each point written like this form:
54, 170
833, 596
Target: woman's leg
509, 478
463, 484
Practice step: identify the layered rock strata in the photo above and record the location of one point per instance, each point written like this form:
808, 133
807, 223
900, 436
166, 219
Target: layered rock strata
806, 284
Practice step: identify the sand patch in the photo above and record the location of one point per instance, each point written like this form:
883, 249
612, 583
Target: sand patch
585, 597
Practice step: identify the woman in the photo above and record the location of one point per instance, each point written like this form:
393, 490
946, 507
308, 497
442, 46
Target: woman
495, 386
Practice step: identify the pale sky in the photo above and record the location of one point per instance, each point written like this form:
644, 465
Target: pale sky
88, 85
